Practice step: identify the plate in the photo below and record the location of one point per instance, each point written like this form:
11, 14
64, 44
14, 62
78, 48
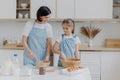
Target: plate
79, 71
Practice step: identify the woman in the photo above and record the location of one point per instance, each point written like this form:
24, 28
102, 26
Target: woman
37, 38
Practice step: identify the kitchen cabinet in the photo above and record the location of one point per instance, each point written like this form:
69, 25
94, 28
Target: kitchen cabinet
116, 9
6, 55
92, 61
22, 9
65, 8
103, 65
110, 66
35, 5
7, 9
93, 8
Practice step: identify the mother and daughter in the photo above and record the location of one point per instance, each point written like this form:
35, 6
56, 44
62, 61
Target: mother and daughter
37, 39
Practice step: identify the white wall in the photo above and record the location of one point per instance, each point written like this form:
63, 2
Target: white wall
109, 30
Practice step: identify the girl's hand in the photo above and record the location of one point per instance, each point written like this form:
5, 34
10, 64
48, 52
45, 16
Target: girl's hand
63, 56
31, 55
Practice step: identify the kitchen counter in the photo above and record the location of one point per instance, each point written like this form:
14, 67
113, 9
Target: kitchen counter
50, 76
99, 49
81, 48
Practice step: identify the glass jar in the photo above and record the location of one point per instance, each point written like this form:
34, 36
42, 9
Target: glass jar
42, 70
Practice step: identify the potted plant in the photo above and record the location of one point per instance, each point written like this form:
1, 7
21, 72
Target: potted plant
90, 32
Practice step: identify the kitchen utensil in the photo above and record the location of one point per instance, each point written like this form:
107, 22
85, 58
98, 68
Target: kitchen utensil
70, 62
42, 70
42, 63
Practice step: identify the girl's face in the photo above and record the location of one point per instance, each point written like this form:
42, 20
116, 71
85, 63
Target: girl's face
45, 18
67, 29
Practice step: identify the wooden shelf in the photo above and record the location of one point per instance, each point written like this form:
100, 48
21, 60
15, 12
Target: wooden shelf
22, 12
89, 20
59, 20
116, 5
23, 9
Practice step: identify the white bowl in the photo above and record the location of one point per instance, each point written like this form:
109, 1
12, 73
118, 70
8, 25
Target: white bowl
24, 5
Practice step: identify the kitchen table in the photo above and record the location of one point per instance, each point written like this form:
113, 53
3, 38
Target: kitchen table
56, 75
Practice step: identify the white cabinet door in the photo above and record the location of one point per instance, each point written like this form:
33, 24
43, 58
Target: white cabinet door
65, 9
91, 60
7, 9
6, 55
35, 5
110, 66
93, 8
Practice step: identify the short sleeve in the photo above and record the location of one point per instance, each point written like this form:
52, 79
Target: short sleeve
27, 29
49, 31
77, 40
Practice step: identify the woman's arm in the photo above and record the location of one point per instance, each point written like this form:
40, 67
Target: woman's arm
77, 54
25, 45
49, 48
56, 50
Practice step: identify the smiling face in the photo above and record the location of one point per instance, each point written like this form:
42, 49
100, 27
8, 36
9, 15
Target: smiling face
45, 18
67, 29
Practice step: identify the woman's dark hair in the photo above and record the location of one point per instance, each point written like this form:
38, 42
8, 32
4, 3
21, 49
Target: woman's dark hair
42, 11
70, 23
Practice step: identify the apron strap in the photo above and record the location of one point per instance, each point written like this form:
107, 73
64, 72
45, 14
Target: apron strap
62, 36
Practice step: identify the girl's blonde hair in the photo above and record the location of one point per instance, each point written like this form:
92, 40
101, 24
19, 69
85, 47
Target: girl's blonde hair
70, 23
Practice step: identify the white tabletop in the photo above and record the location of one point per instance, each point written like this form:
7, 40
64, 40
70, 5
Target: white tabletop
49, 76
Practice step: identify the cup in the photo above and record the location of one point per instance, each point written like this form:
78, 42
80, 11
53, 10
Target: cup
42, 70
26, 15
20, 15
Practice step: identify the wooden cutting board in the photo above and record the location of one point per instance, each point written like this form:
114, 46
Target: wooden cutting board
112, 43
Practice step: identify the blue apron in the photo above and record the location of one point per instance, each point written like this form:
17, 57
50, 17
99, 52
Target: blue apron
37, 40
67, 46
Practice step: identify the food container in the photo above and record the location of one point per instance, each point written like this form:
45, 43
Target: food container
24, 5
42, 66
42, 70
70, 62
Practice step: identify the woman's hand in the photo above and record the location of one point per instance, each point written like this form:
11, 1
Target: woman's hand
31, 55
46, 59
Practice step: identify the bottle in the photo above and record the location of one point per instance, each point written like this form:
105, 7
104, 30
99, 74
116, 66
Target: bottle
16, 65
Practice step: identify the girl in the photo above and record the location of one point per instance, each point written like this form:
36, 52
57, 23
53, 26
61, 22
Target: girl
68, 42
37, 37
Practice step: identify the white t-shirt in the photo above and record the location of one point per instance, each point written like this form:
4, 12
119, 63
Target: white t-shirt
59, 40
29, 25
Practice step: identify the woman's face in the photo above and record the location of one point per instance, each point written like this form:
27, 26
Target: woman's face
45, 18
67, 29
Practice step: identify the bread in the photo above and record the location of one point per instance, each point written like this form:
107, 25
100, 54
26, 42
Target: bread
73, 68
